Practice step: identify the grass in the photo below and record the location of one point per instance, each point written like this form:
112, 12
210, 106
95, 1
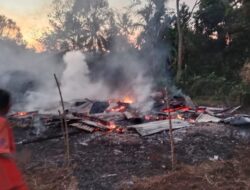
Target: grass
220, 175
50, 177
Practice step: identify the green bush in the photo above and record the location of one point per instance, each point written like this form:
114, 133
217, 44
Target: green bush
214, 87
210, 85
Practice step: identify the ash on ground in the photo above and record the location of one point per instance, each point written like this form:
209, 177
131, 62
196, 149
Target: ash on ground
104, 160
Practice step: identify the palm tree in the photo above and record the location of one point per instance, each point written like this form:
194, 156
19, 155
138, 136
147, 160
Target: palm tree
81, 24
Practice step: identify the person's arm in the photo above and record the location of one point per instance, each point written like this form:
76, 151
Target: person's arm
5, 146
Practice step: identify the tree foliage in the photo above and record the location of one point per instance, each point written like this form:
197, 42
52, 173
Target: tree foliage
79, 24
216, 37
217, 42
10, 30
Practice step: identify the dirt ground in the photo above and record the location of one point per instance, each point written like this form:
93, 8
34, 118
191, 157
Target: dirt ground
209, 156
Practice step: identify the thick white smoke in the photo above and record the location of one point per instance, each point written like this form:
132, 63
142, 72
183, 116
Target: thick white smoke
75, 79
29, 77
75, 84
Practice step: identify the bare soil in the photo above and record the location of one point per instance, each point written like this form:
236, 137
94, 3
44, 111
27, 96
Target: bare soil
209, 156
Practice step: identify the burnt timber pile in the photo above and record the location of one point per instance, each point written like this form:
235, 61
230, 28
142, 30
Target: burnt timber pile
111, 142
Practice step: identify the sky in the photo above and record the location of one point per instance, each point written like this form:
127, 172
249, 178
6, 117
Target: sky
31, 15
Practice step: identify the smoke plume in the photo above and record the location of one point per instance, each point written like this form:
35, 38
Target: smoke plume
29, 77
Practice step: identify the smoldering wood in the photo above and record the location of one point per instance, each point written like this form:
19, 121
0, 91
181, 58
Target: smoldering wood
93, 119
95, 124
110, 116
130, 115
25, 115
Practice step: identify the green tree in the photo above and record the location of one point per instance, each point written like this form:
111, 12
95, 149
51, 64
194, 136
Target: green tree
182, 19
216, 46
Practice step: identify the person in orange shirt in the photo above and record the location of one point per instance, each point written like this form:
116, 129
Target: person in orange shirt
10, 176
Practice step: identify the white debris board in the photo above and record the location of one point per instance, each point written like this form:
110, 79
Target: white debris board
204, 118
158, 126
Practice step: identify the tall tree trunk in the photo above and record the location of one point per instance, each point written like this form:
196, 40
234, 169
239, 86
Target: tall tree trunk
180, 43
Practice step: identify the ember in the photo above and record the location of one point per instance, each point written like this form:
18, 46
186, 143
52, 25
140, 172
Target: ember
180, 117
22, 113
112, 126
181, 108
118, 109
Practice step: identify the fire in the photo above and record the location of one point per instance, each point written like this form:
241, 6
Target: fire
128, 100
22, 113
180, 117
120, 105
112, 126
125, 99
147, 117
181, 108
118, 109
192, 120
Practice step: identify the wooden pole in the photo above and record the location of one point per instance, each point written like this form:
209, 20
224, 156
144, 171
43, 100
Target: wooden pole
172, 146
64, 123
63, 132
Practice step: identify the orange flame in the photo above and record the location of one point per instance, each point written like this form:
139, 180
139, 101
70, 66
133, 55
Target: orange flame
125, 99
22, 113
180, 117
128, 100
112, 126
118, 109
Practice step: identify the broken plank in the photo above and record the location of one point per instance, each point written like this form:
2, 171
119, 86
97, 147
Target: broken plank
83, 127
111, 116
84, 108
95, 124
130, 115
158, 126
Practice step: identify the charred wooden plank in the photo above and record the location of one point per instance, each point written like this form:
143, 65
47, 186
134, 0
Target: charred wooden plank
47, 138
93, 119
95, 124
129, 115
110, 116
83, 127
